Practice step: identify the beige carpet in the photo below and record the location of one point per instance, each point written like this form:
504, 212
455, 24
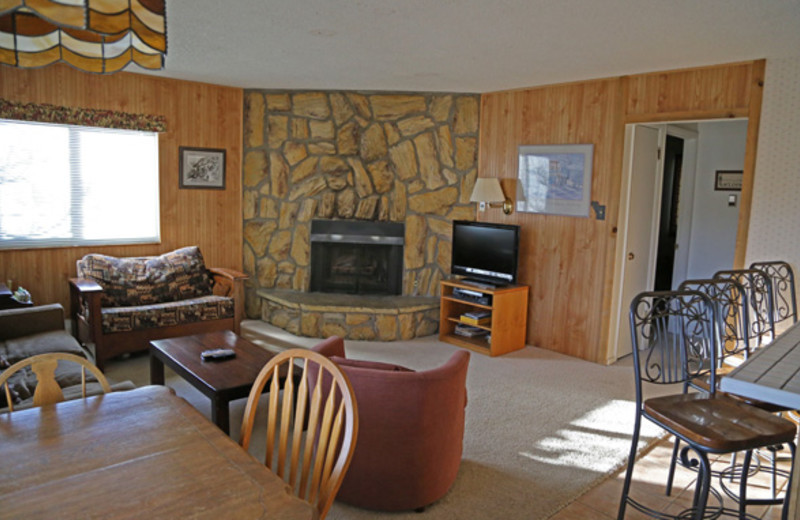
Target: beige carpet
541, 428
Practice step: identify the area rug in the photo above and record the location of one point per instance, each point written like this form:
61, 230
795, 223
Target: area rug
541, 428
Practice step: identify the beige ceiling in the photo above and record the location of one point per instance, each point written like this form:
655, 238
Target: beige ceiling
464, 45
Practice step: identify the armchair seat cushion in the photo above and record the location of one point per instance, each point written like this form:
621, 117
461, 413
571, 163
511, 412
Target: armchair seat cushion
124, 319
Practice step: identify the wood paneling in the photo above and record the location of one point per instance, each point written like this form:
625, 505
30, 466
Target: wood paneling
704, 93
198, 115
569, 262
563, 259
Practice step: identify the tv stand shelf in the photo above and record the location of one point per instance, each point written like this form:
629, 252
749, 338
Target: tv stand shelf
507, 328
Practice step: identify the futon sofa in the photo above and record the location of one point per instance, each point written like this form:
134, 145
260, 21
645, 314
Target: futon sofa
410, 430
37, 330
121, 304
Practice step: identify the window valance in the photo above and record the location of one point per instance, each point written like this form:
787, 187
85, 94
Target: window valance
45, 113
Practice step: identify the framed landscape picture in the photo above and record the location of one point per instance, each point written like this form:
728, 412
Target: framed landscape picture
202, 168
555, 179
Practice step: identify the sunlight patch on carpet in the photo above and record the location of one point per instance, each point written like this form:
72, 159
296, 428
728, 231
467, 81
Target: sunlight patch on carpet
594, 441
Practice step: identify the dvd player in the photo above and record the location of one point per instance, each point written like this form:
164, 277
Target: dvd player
472, 296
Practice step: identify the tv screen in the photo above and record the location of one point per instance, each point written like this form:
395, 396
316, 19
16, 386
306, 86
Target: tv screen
485, 252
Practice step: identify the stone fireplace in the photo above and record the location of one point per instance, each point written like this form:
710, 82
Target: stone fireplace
355, 257
405, 159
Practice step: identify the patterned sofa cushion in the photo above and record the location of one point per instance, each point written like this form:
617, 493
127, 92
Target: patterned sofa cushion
123, 319
173, 276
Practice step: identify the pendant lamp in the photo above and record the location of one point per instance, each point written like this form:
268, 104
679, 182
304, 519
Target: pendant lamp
100, 36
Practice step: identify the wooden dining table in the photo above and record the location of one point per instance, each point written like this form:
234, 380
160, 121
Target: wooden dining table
144, 453
772, 374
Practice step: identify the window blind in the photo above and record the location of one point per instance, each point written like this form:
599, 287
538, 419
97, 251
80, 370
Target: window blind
66, 185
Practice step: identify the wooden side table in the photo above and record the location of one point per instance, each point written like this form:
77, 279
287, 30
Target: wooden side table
7, 300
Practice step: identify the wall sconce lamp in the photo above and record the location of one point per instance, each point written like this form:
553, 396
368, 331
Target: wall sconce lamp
489, 190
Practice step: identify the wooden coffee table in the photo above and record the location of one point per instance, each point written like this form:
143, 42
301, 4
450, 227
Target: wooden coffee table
220, 381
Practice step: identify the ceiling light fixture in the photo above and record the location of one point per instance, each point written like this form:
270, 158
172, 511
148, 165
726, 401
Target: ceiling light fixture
101, 36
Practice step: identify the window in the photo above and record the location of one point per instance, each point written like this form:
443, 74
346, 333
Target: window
63, 185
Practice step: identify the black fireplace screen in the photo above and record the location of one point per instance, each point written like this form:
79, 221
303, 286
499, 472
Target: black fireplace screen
356, 257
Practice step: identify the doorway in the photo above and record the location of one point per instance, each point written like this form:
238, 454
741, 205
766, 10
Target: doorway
668, 220
669, 212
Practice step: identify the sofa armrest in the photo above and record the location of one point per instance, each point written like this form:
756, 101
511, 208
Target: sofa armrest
84, 285
16, 323
230, 283
85, 297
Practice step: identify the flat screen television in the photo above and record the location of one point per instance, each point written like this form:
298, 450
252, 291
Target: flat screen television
485, 252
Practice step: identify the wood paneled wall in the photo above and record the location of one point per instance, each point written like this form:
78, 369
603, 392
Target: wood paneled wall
198, 115
569, 262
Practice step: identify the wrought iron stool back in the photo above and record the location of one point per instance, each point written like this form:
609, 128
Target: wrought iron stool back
757, 287
784, 299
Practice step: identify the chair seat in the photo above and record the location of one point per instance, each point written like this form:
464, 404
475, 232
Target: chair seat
719, 424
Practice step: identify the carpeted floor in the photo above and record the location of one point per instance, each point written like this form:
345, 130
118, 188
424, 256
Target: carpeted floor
541, 428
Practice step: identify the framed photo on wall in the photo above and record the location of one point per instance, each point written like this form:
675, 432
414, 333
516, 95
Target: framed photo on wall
202, 168
555, 179
728, 180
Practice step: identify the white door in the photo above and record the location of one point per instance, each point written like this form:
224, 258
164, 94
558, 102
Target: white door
643, 207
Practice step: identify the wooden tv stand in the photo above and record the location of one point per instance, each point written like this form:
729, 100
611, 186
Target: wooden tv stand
507, 328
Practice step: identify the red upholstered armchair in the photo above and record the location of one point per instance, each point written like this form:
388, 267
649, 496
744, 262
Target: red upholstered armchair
411, 431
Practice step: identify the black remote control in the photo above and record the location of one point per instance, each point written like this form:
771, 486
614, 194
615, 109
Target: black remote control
217, 354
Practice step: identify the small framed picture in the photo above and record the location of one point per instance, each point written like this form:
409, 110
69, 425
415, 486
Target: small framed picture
202, 168
728, 180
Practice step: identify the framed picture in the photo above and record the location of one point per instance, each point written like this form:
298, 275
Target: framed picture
728, 180
202, 168
555, 179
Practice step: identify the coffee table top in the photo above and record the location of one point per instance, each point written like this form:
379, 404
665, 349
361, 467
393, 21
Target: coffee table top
231, 378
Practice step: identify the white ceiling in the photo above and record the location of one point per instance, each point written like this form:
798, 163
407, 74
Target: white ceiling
463, 45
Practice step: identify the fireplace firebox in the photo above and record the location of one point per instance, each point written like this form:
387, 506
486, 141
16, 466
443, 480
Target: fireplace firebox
356, 257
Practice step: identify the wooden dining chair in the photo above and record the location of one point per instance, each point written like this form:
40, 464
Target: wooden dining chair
784, 298
43, 367
311, 430
675, 339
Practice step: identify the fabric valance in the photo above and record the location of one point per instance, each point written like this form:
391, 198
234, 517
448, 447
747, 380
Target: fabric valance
45, 113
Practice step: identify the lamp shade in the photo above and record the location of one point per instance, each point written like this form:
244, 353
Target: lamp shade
100, 36
487, 190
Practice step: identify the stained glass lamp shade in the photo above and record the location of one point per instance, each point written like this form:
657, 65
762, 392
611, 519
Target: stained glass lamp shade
100, 36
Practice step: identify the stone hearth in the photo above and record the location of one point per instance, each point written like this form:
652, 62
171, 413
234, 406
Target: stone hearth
407, 158
359, 317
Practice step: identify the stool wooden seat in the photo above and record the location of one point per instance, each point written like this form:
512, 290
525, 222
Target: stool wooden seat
719, 423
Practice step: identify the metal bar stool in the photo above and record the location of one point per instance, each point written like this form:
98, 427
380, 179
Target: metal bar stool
675, 340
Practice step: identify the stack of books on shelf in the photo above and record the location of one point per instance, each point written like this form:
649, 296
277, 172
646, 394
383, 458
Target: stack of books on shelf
462, 329
476, 317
